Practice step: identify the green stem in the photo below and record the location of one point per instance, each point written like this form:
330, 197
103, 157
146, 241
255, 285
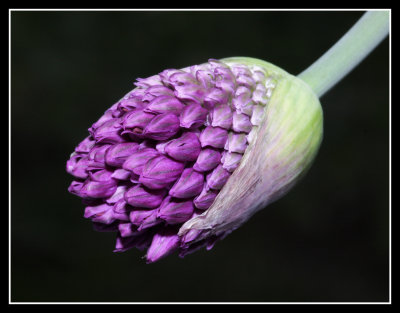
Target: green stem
348, 52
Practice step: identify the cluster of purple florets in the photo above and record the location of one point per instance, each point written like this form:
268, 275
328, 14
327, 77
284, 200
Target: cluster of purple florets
160, 155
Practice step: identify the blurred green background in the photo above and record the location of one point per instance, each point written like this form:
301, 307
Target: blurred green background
327, 240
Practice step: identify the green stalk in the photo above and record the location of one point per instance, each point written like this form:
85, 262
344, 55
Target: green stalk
348, 52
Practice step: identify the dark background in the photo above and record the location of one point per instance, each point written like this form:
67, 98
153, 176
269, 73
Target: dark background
327, 240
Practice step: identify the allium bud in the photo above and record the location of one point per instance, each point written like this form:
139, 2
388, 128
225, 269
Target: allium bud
213, 137
117, 154
160, 171
189, 155
188, 185
142, 197
193, 116
185, 148
162, 127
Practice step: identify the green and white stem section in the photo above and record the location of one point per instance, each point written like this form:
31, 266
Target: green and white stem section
284, 145
347, 53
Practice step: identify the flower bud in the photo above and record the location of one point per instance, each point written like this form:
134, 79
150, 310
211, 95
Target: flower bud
101, 185
193, 116
190, 154
213, 137
162, 127
218, 177
160, 171
137, 160
164, 242
222, 116
207, 160
108, 132
165, 104
138, 119
185, 148
189, 184
117, 154
141, 197
175, 211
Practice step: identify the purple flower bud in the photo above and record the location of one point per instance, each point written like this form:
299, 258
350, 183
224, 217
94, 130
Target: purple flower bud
175, 211
123, 217
190, 93
180, 77
150, 221
224, 73
193, 116
185, 148
101, 176
160, 171
142, 197
236, 143
241, 123
96, 157
156, 91
137, 217
137, 119
75, 188
118, 195
156, 160
77, 166
117, 154
127, 105
204, 200
136, 162
215, 96
121, 174
162, 127
164, 242
205, 78
218, 177
207, 160
122, 207
102, 213
190, 184
108, 132
226, 85
165, 104
221, 116
213, 137
101, 185
166, 74
231, 161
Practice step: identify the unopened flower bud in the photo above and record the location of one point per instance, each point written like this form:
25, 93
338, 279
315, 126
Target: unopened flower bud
117, 154
160, 171
193, 116
188, 185
190, 154
162, 127
142, 197
185, 148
